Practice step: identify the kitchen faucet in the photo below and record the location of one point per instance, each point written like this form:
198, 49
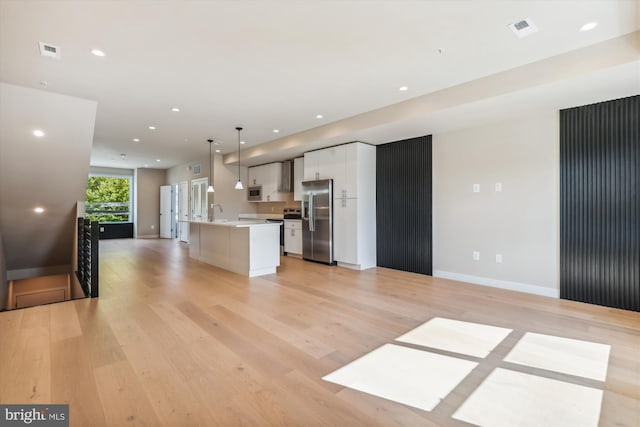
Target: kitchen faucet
213, 210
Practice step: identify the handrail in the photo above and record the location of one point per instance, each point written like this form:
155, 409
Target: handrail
88, 234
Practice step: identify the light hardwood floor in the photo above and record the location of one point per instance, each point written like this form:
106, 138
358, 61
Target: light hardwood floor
172, 341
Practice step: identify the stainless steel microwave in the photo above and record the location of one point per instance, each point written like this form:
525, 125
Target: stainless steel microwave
254, 193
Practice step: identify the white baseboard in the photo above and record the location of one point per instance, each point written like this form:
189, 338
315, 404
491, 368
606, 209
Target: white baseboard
149, 236
502, 284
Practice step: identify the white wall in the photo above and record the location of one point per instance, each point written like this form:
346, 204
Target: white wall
521, 222
233, 201
50, 172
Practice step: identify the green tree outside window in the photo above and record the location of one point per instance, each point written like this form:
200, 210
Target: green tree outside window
107, 199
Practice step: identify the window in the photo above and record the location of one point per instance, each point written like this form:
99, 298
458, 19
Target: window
108, 199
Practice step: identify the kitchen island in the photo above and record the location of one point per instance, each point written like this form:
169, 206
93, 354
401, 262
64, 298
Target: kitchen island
250, 248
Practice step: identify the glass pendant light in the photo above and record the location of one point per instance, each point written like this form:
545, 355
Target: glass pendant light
239, 185
210, 188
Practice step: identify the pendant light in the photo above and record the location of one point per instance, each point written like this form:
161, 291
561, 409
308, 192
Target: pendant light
239, 185
210, 189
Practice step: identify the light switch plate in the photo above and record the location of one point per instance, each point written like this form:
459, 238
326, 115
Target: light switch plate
498, 187
476, 188
498, 258
476, 256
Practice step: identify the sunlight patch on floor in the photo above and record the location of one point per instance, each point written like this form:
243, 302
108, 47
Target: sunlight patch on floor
568, 356
509, 398
413, 377
472, 339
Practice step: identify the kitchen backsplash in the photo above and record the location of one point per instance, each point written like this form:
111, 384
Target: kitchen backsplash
277, 207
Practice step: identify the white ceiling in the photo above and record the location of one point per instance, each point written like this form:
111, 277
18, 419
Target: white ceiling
277, 64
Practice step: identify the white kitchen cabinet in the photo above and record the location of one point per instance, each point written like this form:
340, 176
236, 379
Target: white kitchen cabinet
321, 164
345, 231
268, 176
298, 177
265, 174
293, 236
345, 169
342, 164
311, 162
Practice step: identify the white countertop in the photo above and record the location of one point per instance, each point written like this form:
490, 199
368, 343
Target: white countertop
260, 216
240, 223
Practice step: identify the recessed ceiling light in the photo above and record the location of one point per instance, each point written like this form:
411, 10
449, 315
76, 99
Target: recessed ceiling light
146, 166
157, 160
136, 139
403, 88
589, 26
38, 210
242, 142
98, 52
319, 116
276, 131
217, 151
175, 109
152, 128
38, 133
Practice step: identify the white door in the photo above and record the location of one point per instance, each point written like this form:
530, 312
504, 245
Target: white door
183, 211
199, 199
174, 212
165, 212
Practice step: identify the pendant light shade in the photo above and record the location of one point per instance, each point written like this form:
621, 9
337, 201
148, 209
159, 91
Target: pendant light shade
210, 188
239, 185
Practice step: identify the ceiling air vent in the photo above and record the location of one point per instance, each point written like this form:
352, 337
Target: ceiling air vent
47, 49
523, 28
196, 170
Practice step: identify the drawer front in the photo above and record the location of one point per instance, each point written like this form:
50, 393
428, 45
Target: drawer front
293, 223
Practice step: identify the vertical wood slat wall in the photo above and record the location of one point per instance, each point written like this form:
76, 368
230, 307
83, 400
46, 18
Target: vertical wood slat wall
403, 205
600, 203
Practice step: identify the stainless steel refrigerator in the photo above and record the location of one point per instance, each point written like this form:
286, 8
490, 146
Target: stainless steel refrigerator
317, 220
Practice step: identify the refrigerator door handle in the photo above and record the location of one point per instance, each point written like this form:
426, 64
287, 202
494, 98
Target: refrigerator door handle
312, 214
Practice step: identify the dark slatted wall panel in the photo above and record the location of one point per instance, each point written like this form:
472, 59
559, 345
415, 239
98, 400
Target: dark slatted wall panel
600, 203
404, 205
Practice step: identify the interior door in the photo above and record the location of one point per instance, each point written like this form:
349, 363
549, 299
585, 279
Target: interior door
183, 211
165, 212
199, 199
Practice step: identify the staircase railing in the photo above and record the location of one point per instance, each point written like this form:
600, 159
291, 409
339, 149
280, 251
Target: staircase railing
88, 234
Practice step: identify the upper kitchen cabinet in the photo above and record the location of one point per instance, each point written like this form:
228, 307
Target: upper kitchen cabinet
298, 177
269, 178
349, 166
312, 162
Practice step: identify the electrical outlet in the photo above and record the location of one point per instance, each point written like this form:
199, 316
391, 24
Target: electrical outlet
498, 258
498, 187
153, 227
476, 256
